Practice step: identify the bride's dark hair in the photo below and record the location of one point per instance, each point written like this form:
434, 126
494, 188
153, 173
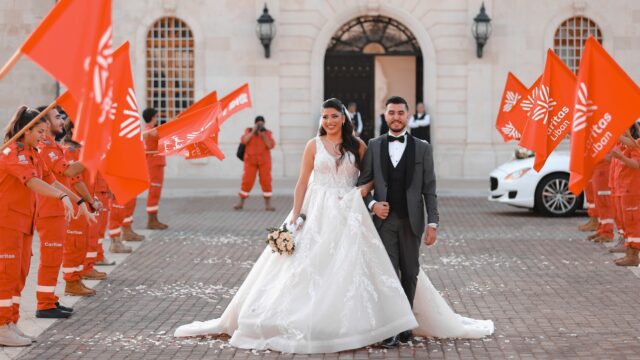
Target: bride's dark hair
349, 142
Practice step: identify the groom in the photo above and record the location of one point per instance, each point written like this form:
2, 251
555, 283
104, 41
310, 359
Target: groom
401, 167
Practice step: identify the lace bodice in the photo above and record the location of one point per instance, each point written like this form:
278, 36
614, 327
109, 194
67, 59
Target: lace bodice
327, 172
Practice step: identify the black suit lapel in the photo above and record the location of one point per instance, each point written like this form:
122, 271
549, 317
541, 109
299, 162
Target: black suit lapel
385, 159
410, 152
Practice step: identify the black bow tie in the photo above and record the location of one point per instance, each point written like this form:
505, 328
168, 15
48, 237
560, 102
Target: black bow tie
392, 138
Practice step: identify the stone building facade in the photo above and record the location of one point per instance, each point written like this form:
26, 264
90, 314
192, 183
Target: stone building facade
462, 92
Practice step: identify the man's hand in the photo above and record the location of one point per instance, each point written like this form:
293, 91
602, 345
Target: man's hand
429, 237
381, 209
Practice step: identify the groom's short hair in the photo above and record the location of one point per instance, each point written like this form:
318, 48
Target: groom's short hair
397, 100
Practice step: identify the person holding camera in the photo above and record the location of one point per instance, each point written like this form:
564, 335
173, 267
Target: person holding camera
258, 143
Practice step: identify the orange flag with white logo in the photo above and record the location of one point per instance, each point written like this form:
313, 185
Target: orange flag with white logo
549, 106
607, 103
125, 165
234, 102
82, 65
188, 129
510, 122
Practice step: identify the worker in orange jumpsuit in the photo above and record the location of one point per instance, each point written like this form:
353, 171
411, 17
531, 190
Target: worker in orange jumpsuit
103, 194
616, 196
50, 222
77, 238
120, 222
156, 164
604, 203
93, 236
22, 173
258, 143
592, 223
629, 183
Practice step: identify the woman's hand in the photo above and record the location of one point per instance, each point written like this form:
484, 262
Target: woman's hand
293, 219
68, 208
84, 211
366, 188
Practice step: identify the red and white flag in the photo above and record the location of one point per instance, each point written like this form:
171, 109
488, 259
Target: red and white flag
549, 106
83, 66
188, 129
510, 122
125, 165
606, 104
231, 104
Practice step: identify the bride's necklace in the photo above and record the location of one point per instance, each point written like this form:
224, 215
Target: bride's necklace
336, 146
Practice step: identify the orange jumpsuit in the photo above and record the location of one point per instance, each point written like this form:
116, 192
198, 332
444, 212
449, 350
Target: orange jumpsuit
94, 236
156, 164
52, 228
103, 194
606, 212
75, 244
629, 182
18, 164
616, 196
590, 199
257, 160
120, 215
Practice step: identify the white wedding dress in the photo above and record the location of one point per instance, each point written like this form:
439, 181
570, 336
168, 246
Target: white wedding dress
338, 290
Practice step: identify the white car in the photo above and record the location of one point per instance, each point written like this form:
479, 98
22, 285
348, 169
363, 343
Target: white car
516, 183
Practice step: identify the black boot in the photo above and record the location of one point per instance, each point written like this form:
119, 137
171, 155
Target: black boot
390, 343
64, 308
405, 336
54, 313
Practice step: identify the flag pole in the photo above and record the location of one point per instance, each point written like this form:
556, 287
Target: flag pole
29, 125
14, 59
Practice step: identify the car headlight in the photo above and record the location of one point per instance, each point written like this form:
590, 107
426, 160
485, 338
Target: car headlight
522, 153
517, 174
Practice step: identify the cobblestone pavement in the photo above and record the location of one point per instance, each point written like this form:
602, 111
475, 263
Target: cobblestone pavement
551, 294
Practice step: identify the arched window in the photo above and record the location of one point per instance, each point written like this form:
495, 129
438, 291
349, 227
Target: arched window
570, 38
170, 64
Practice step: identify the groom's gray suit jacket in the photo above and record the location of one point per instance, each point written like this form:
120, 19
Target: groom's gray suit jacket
420, 177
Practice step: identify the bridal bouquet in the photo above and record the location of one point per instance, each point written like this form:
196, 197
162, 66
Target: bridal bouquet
281, 239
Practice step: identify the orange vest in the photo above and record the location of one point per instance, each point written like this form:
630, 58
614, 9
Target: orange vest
20, 163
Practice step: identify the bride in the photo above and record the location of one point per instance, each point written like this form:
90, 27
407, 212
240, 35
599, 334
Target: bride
338, 290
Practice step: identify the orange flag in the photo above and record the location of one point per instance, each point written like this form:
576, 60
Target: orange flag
606, 105
234, 102
549, 106
84, 28
69, 104
510, 122
209, 99
125, 165
188, 129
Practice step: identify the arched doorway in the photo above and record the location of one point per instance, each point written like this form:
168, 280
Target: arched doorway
369, 58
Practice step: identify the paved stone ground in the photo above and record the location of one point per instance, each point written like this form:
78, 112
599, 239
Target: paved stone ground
551, 294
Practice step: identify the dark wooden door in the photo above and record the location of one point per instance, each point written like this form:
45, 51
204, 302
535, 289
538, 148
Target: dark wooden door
351, 78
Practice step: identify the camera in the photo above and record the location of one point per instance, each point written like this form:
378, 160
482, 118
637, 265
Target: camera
261, 128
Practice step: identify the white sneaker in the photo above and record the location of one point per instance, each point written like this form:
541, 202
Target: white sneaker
8, 337
17, 330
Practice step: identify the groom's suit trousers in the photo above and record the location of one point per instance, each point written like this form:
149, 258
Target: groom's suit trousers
403, 247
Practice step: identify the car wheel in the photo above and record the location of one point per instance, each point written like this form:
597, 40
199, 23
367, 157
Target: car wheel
553, 197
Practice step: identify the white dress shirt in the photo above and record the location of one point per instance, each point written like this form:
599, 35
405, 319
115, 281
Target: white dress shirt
396, 149
414, 123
